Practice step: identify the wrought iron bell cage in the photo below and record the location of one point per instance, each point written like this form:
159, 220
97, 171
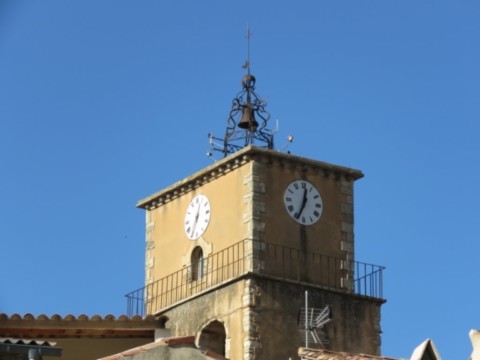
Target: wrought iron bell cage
247, 122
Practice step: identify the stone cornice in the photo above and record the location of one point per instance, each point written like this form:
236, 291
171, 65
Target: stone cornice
249, 153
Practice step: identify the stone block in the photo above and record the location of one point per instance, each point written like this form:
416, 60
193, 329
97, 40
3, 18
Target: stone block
347, 208
347, 188
258, 207
346, 246
347, 283
149, 244
258, 187
247, 199
149, 261
149, 226
348, 218
348, 199
349, 237
258, 226
347, 265
247, 179
247, 217
346, 226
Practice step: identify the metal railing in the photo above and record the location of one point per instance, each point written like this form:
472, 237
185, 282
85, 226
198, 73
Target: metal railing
261, 258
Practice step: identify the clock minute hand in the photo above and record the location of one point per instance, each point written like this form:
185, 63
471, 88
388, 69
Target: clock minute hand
196, 220
304, 202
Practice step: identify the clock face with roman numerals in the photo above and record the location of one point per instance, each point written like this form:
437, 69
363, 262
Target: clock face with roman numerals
197, 217
303, 202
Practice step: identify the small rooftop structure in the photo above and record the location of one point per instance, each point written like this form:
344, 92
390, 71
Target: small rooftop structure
426, 351
79, 337
475, 339
167, 349
23, 349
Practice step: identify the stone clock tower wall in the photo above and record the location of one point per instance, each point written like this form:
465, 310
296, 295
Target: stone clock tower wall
243, 296
260, 316
332, 236
246, 193
335, 228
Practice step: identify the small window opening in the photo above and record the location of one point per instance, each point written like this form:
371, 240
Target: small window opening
197, 262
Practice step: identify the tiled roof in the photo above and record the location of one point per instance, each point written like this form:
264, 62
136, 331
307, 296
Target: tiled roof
26, 342
11, 348
174, 342
70, 326
70, 317
312, 354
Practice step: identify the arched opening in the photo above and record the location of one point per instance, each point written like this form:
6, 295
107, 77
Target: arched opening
197, 263
162, 321
213, 337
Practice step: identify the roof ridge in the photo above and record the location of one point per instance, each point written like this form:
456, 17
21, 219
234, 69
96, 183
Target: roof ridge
71, 317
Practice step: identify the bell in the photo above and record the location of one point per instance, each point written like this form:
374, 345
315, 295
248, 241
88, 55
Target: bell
248, 121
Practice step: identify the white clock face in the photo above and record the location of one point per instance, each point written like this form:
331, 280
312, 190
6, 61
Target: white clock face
303, 202
197, 217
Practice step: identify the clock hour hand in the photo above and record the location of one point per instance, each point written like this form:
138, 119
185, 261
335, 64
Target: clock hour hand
304, 202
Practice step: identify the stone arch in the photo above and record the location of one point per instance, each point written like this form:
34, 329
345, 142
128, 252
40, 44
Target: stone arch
213, 337
187, 257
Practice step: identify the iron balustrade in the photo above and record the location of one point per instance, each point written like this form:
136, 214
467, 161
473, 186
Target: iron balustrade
261, 258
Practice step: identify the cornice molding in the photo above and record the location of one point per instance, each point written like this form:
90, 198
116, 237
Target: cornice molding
240, 158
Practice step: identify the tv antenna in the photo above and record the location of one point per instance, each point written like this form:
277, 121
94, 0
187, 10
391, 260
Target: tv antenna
310, 320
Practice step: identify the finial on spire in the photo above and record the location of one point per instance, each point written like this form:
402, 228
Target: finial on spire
248, 35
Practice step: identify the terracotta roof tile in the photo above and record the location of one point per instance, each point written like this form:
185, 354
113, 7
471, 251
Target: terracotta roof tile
180, 340
185, 340
27, 342
312, 354
56, 326
70, 317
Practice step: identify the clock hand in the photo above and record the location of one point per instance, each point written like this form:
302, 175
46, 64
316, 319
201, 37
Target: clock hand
194, 226
304, 202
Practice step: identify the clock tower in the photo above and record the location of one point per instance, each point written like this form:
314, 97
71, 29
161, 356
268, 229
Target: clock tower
231, 249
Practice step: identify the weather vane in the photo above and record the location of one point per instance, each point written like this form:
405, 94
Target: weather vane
243, 128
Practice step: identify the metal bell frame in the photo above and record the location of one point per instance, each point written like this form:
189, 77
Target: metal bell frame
243, 129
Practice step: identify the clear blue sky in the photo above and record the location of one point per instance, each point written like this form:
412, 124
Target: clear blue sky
105, 102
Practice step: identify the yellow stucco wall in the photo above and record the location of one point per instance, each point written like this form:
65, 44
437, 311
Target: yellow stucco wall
172, 247
248, 197
94, 348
